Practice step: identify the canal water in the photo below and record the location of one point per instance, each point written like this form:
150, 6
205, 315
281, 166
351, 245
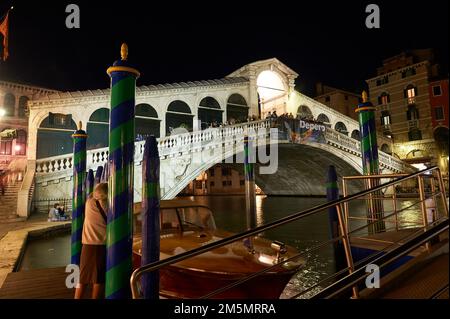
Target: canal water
229, 214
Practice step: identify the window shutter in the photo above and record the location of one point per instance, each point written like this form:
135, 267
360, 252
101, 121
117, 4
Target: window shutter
405, 93
415, 91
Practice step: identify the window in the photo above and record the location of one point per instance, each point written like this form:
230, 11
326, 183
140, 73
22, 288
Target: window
439, 113
23, 107
211, 172
198, 184
229, 183
5, 147
383, 80
226, 171
327, 99
437, 90
346, 97
224, 183
59, 120
385, 118
21, 143
9, 104
412, 113
410, 93
242, 182
211, 184
384, 99
408, 72
415, 134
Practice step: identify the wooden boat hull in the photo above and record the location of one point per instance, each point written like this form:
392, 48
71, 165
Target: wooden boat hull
180, 282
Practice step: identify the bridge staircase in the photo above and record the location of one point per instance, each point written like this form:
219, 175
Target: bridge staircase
8, 203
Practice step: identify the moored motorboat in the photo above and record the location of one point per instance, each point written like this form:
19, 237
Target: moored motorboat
186, 225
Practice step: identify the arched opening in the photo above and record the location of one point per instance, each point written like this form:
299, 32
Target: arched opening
384, 99
21, 143
9, 103
272, 92
209, 112
146, 122
23, 106
386, 148
356, 135
6, 141
322, 118
440, 135
54, 135
178, 115
98, 129
304, 112
341, 128
237, 109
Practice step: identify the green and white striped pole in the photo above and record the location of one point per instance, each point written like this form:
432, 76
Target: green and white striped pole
78, 197
370, 162
119, 229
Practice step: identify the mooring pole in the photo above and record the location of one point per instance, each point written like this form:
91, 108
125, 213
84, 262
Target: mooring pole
98, 175
150, 217
78, 198
333, 194
119, 229
89, 183
105, 173
250, 196
370, 161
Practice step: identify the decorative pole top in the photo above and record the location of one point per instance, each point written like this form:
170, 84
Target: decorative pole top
122, 65
80, 126
124, 51
364, 96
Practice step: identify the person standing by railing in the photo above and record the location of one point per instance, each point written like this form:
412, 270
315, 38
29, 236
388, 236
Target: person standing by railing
93, 251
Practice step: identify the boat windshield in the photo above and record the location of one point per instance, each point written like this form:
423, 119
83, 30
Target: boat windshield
186, 219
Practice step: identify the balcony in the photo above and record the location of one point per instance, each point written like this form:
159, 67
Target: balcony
413, 124
411, 100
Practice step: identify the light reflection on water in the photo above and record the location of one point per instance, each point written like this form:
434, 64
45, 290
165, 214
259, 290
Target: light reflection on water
229, 213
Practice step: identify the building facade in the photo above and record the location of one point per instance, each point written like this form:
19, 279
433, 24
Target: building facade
14, 113
401, 93
438, 91
219, 179
340, 100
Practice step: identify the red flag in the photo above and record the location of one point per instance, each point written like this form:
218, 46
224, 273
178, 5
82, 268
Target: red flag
4, 32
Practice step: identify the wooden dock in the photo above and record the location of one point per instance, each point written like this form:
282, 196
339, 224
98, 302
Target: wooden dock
48, 283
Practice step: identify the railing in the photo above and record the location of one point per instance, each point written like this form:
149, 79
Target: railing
167, 146
170, 146
344, 236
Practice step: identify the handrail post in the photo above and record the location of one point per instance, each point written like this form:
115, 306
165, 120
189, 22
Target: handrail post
394, 206
344, 193
423, 206
443, 193
347, 248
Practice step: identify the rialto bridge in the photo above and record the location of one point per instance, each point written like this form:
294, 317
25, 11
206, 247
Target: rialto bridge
191, 107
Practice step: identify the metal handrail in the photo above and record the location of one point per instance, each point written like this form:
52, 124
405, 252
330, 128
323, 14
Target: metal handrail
288, 219
360, 274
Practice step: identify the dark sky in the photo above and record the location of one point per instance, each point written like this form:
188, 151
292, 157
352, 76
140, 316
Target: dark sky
321, 40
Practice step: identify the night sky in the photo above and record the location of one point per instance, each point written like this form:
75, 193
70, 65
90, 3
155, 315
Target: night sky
321, 40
